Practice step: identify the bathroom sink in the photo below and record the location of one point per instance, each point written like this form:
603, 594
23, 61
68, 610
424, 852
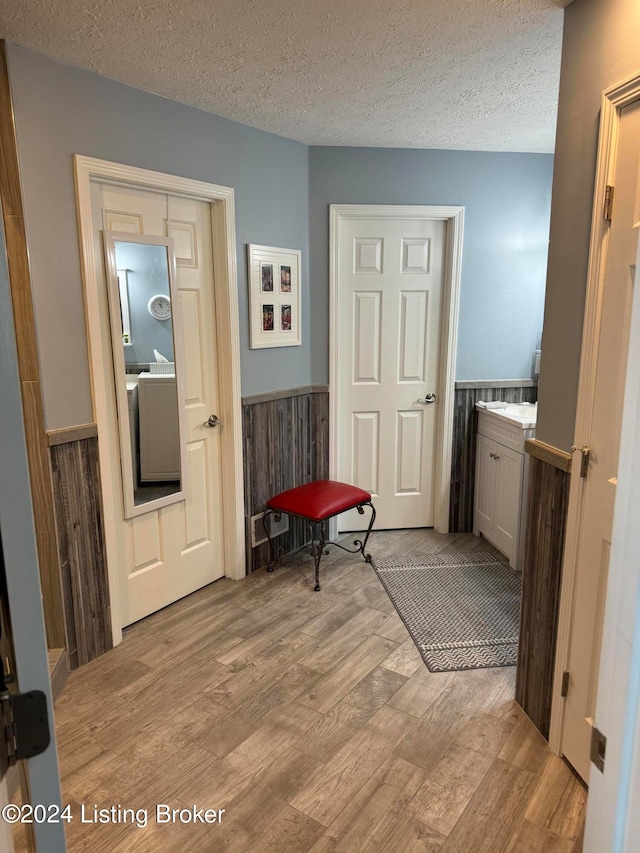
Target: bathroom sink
523, 415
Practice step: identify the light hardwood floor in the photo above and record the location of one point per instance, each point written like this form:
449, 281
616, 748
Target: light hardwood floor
312, 720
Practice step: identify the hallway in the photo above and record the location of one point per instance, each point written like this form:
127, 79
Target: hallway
312, 720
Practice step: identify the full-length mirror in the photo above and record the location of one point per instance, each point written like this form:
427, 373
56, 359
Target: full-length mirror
142, 303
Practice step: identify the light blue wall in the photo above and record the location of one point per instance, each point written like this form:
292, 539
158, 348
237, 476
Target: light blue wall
282, 191
61, 111
506, 199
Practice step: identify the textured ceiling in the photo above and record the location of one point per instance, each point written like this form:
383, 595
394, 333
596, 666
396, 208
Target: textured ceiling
463, 74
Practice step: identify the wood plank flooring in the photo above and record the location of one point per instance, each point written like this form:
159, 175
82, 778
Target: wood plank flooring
311, 719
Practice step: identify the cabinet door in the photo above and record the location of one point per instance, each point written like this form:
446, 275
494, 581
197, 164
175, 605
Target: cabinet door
508, 491
485, 484
159, 436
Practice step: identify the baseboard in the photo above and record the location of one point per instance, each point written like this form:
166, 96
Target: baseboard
58, 670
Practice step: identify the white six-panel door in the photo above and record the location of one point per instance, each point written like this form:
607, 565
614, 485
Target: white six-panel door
601, 480
172, 551
389, 293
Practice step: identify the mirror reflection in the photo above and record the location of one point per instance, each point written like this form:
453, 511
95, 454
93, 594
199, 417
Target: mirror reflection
141, 297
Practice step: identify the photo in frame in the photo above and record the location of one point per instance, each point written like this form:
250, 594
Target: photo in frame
285, 318
274, 296
267, 318
266, 277
285, 279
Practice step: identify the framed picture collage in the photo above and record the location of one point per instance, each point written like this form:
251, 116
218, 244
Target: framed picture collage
274, 296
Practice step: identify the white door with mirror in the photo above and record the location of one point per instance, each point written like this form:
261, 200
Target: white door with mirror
162, 341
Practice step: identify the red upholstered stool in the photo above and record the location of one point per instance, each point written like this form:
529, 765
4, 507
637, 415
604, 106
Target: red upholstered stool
317, 503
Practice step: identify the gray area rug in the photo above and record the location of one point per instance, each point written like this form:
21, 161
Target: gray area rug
462, 610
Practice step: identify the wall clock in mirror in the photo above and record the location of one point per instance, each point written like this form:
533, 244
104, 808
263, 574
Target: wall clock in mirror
160, 306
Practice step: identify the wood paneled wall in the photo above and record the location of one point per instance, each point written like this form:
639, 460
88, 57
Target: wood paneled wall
28, 365
78, 501
465, 422
544, 547
286, 444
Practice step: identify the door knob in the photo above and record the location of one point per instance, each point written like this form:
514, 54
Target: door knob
212, 421
428, 398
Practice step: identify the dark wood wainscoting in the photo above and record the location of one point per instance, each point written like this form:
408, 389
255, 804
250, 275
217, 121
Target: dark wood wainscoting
286, 444
541, 578
465, 421
78, 503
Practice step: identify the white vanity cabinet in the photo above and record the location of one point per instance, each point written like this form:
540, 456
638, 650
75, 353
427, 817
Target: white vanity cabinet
501, 481
159, 437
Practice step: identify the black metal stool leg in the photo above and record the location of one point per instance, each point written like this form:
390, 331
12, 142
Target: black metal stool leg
361, 545
371, 521
275, 554
317, 552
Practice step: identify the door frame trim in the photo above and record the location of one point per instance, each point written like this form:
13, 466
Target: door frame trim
221, 199
453, 216
26, 632
614, 99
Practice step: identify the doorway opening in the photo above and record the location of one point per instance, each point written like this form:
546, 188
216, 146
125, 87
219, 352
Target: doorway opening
394, 296
220, 202
587, 705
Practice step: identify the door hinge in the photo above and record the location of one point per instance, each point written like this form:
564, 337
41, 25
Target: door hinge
598, 748
565, 684
608, 202
584, 461
24, 718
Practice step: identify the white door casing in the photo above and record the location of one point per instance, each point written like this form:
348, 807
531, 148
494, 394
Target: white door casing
19, 558
600, 399
395, 274
220, 202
